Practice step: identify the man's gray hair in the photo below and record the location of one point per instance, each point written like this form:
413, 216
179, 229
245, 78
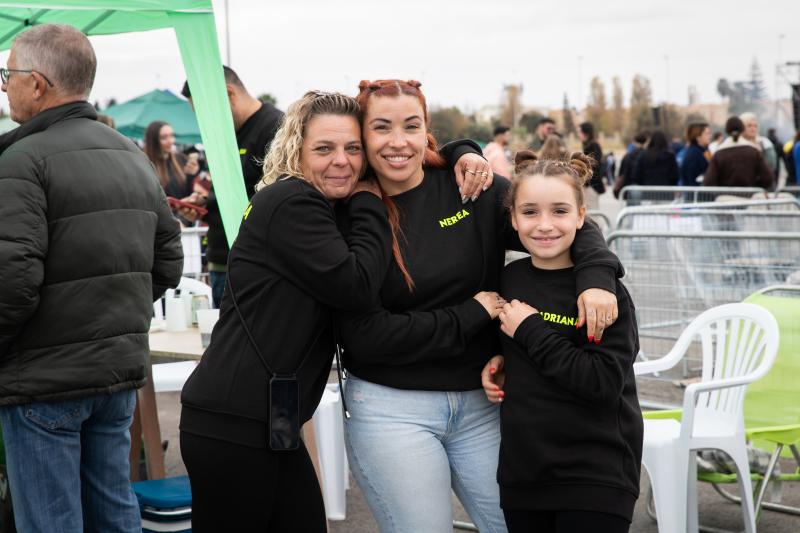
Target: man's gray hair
60, 52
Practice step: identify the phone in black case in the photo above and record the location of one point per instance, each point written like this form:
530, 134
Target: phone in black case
284, 416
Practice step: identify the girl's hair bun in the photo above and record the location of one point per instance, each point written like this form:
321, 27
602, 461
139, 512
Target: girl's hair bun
524, 159
582, 165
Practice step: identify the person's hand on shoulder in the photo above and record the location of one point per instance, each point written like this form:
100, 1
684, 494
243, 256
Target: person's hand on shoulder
598, 308
473, 176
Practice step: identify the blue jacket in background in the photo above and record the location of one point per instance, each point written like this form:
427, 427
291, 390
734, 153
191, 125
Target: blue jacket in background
694, 164
796, 156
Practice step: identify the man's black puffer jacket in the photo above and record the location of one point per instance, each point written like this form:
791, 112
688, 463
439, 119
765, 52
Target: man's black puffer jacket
87, 243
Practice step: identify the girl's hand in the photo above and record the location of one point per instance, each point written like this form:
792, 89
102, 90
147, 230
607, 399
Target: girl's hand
367, 185
512, 316
493, 377
491, 301
599, 309
473, 176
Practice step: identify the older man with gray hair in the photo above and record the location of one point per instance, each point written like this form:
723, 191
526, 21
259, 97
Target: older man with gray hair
751, 134
87, 243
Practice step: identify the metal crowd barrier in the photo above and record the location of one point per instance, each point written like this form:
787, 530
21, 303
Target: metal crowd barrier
191, 240
645, 194
794, 190
674, 277
602, 220
707, 219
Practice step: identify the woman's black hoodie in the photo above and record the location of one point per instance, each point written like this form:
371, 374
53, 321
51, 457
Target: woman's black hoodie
288, 267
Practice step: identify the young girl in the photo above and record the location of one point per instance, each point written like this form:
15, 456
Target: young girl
571, 427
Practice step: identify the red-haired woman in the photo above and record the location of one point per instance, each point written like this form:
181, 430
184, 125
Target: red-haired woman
420, 422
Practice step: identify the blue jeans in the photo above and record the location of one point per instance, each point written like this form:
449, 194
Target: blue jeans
68, 464
217, 280
408, 448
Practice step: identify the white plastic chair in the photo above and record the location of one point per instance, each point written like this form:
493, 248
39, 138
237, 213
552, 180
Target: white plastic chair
739, 344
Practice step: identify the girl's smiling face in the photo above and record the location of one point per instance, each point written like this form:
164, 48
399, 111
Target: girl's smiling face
546, 216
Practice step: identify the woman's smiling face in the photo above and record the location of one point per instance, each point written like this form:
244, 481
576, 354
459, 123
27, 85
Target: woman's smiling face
332, 157
396, 138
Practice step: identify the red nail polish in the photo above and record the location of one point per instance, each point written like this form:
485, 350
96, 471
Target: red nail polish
591, 338
577, 326
502, 394
597, 341
492, 370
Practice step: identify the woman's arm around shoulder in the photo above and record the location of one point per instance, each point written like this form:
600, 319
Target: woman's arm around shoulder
413, 336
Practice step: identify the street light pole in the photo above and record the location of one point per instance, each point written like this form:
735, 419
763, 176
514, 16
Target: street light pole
580, 82
227, 36
777, 81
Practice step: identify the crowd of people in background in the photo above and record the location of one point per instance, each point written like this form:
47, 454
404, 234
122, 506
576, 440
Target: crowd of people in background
736, 156
324, 258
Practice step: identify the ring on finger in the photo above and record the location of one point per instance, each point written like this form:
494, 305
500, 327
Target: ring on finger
484, 174
470, 171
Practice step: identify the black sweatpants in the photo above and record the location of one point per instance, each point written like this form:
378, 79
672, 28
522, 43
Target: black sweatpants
238, 488
523, 521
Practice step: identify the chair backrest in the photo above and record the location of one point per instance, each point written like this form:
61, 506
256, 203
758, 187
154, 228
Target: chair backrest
775, 399
738, 340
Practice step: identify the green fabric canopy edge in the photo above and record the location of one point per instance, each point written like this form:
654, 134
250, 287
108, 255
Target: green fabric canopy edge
193, 23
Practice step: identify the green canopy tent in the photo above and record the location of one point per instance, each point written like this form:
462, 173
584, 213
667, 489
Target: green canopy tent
133, 117
193, 22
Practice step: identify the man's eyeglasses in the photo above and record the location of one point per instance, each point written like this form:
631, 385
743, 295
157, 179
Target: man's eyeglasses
6, 72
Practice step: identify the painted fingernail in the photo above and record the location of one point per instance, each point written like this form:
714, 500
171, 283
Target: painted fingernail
597, 341
577, 326
492, 370
591, 338
474, 197
485, 188
502, 394
463, 199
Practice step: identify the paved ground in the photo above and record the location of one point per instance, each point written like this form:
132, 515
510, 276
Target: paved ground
714, 511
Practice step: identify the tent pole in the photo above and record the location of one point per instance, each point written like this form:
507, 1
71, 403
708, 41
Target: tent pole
93, 24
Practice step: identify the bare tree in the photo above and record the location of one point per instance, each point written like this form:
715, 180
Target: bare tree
641, 114
567, 118
618, 112
596, 111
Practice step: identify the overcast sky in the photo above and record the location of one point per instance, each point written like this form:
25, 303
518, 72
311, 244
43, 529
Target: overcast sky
464, 52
